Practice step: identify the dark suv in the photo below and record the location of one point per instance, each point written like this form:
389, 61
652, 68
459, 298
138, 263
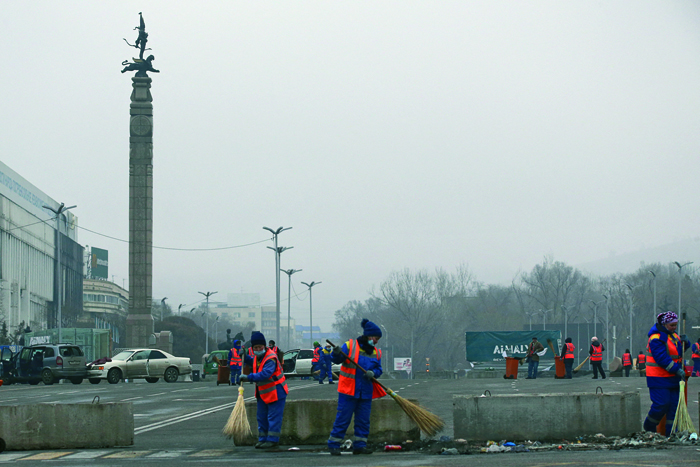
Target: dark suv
47, 363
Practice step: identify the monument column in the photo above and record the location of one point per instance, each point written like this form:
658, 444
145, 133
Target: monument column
139, 323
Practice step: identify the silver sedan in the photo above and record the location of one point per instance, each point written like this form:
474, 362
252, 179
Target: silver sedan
149, 364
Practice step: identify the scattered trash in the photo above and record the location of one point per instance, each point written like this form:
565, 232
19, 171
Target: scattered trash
461, 441
451, 451
293, 449
392, 447
445, 439
600, 435
693, 437
347, 444
509, 443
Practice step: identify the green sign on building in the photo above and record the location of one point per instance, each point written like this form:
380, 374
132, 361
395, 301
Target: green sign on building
99, 263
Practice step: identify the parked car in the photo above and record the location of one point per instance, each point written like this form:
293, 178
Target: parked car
149, 364
297, 362
210, 365
47, 363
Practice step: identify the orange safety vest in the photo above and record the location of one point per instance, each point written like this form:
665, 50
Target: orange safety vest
236, 359
696, 350
569, 350
346, 377
274, 349
317, 355
267, 389
597, 355
626, 359
653, 369
641, 358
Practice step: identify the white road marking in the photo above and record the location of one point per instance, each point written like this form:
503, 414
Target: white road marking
131, 399
11, 457
179, 390
159, 394
166, 454
69, 392
87, 455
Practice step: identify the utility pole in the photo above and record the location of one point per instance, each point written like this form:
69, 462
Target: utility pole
289, 273
653, 311
311, 313
680, 280
607, 328
59, 280
162, 307
207, 295
275, 233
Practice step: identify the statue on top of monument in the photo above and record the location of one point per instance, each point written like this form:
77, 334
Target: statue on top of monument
140, 65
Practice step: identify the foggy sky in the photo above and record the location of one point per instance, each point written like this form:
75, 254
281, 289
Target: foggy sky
389, 135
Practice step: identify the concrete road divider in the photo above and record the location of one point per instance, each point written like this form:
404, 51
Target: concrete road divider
545, 416
67, 426
311, 421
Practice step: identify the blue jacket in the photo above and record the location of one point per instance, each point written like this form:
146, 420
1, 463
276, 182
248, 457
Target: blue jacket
658, 350
363, 386
230, 356
265, 373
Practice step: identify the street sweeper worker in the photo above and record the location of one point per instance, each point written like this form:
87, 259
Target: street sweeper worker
235, 359
664, 370
596, 352
696, 359
317, 362
641, 363
270, 391
356, 388
328, 363
627, 362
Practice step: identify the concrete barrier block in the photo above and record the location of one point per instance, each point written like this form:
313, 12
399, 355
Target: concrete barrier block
311, 421
478, 374
545, 416
67, 426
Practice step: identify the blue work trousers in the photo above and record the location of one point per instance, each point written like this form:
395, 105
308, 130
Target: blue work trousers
326, 371
347, 406
568, 365
318, 366
532, 369
664, 401
270, 420
235, 375
696, 367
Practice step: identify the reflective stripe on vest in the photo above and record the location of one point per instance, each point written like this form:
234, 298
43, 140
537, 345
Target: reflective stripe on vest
626, 359
236, 359
569, 350
348, 372
696, 350
267, 389
274, 349
597, 355
317, 355
653, 369
641, 358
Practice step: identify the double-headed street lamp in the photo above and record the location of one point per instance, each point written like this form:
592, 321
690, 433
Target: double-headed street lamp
653, 311
631, 289
59, 283
207, 295
162, 307
311, 313
289, 273
544, 318
275, 233
680, 280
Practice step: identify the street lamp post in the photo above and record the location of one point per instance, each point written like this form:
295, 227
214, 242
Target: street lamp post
162, 307
544, 319
311, 313
289, 273
387, 345
566, 320
179, 307
607, 328
595, 317
206, 333
207, 295
59, 282
680, 280
630, 299
275, 233
216, 329
653, 311
529, 314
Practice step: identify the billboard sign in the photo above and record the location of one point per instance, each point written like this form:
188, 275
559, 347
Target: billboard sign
403, 364
99, 263
494, 346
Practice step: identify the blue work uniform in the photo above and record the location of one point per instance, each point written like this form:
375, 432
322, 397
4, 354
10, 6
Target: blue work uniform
359, 402
662, 381
328, 365
269, 415
234, 366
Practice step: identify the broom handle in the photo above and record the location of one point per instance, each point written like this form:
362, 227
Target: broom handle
389, 391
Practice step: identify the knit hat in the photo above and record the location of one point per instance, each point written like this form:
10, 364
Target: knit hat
568, 340
666, 318
316, 344
370, 328
257, 338
594, 338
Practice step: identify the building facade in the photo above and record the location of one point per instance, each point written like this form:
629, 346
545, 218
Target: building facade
29, 236
105, 306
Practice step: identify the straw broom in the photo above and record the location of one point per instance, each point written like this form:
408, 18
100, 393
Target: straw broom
581, 364
237, 426
682, 421
429, 423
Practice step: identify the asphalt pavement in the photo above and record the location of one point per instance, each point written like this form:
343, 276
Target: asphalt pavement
181, 423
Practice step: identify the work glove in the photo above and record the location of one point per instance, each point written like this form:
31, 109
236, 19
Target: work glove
369, 375
336, 350
244, 377
681, 373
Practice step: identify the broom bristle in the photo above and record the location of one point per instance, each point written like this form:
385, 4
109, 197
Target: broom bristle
682, 422
237, 426
429, 423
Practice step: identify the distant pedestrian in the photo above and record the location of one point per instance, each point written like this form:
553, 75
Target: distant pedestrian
664, 370
235, 359
567, 354
696, 359
596, 353
533, 360
641, 363
317, 363
356, 388
270, 391
627, 362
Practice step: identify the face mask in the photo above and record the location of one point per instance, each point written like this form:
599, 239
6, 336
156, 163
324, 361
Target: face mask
370, 342
328, 348
259, 353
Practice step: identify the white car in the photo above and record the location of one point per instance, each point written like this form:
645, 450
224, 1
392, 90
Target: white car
297, 362
150, 364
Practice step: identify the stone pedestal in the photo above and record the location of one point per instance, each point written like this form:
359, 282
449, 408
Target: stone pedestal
139, 323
